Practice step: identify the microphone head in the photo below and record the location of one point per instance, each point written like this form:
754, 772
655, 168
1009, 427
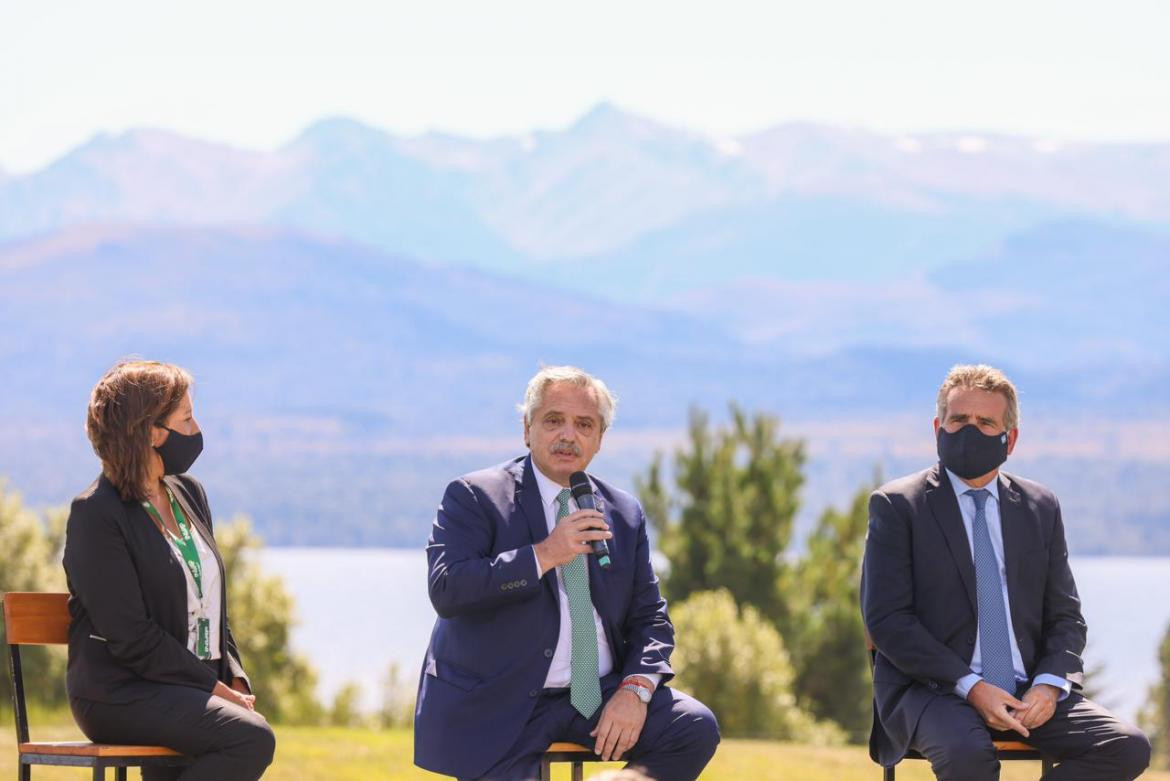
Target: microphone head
579, 485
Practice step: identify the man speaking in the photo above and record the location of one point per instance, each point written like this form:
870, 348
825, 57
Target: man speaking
544, 633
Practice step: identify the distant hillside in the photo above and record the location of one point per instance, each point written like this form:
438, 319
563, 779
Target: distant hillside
614, 200
341, 386
1061, 296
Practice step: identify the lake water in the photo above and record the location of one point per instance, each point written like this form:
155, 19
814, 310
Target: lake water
362, 609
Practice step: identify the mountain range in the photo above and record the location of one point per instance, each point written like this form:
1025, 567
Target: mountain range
361, 310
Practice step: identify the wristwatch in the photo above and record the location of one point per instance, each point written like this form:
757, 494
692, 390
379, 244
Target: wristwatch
642, 691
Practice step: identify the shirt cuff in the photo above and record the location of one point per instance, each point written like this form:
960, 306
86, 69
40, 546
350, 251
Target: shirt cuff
654, 678
965, 684
536, 563
1054, 680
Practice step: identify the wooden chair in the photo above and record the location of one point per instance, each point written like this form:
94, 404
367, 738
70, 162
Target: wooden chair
32, 618
566, 752
1006, 750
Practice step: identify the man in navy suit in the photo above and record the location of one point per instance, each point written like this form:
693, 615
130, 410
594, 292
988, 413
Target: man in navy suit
535, 642
968, 597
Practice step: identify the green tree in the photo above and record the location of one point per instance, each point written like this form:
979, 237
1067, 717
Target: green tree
346, 710
827, 634
398, 698
730, 521
30, 560
1155, 717
735, 661
263, 615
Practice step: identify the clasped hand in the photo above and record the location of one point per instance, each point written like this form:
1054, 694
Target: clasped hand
1001, 711
571, 537
237, 693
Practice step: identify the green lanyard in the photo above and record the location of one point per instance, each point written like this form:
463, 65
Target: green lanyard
185, 542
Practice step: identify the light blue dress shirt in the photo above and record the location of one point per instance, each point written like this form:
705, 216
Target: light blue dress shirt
995, 530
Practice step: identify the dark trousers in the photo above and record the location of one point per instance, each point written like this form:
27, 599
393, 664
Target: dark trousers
228, 742
677, 740
1088, 742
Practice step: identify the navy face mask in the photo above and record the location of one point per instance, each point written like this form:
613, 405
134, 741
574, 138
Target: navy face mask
180, 451
970, 453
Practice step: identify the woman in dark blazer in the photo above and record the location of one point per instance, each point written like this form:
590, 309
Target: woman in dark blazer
151, 654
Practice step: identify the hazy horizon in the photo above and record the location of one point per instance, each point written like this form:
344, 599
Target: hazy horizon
252, 75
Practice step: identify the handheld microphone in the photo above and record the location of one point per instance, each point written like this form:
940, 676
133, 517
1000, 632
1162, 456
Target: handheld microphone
583, 494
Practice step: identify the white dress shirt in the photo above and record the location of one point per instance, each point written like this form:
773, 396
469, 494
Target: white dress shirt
560, 672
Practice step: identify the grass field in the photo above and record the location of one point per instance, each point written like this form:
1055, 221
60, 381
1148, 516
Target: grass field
341, 754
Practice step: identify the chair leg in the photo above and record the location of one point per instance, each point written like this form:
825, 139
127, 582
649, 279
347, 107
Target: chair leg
120, 773
1045, 767
99, 773
888, 773
578, 771
23, 771
545, 770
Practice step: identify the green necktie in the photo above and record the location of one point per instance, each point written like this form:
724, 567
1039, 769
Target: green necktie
584, 687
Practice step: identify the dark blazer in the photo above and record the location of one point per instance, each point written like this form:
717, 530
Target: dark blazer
128, 598
494, 639
919, 603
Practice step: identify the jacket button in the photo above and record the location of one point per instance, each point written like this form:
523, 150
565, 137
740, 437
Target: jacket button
548, 652
504, 587
970, 641
523, 582
533, 692
933, 685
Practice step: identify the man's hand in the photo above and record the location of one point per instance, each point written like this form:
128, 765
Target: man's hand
998, 709
620, 725
1041, 700
239, 685
569, 538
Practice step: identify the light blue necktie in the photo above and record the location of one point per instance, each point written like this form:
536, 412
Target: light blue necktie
995, 649
584, 687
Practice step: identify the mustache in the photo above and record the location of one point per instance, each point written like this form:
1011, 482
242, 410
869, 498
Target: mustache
565, 447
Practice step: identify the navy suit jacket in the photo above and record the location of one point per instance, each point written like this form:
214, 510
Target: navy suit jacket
919, 603
494, 639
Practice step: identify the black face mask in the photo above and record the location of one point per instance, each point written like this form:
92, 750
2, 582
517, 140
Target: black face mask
970, 453
180, 451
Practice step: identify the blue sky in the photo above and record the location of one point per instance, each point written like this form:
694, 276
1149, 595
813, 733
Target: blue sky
255, 73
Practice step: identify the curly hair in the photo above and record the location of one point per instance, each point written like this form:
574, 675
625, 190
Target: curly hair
127, 401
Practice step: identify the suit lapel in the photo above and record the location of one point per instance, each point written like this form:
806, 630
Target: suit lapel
196, 521
531, 506
1013, 525
945, 506
529, 501
599, 579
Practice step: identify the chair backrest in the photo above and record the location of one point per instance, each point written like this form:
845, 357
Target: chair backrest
36, 618
31, 618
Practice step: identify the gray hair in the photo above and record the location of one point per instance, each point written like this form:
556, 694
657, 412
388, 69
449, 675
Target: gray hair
534, 395
985, 378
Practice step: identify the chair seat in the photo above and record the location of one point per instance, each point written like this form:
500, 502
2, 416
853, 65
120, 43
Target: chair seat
567, 748
1012, 745
86, 749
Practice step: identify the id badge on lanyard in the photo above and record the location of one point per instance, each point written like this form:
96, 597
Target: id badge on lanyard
185, 543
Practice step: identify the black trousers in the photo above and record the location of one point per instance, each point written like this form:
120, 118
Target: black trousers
229, 743
1088, 742
677, 740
